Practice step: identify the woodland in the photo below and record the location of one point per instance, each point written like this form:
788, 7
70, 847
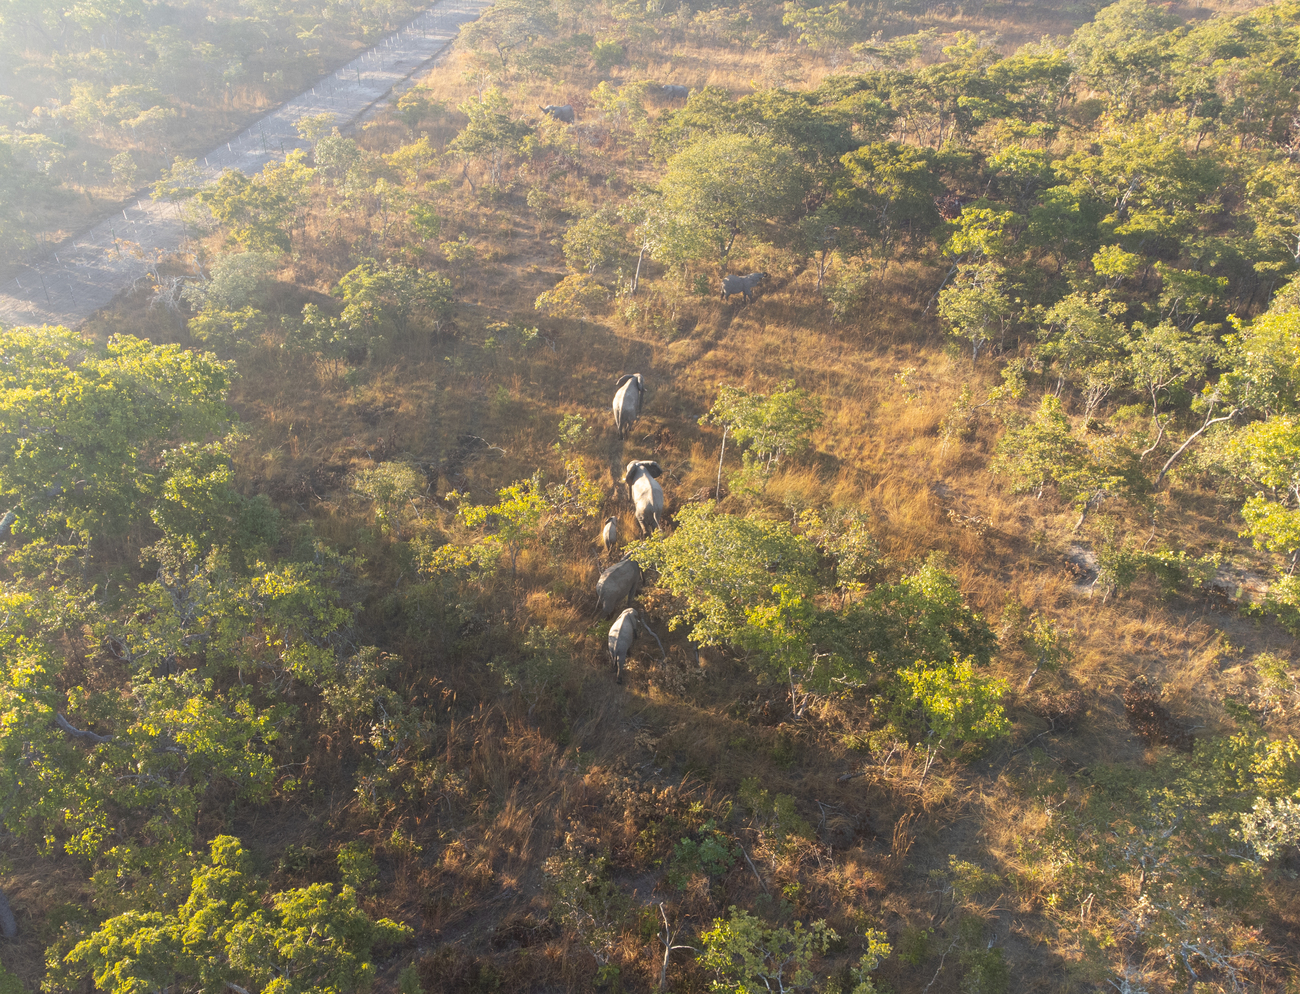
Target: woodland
965, 655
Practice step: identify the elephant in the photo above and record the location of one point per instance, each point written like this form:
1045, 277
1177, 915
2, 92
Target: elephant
609, 533
561, 112
743, 285
647, 494
671, 91
622, 580
629, 392
621, 635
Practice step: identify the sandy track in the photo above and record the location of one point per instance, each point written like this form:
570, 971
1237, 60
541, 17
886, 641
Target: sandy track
99, 263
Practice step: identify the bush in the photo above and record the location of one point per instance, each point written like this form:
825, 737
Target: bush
607, 54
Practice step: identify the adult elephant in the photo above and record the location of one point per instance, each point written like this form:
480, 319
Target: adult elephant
622, 580
621, 635
647, 495
629, 392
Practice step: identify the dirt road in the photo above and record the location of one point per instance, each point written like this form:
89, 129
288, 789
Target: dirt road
85, 274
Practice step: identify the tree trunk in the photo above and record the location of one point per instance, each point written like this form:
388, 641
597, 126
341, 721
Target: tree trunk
1164, 470
636, 278
718, 493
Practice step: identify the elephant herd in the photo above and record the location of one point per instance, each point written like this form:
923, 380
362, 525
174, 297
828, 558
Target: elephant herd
623, 581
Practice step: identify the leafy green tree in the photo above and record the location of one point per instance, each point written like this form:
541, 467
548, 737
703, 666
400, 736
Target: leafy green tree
975, 306
327, 340
624, 105
1273, 203
747, 955
895, 187
337, 156
491, 134
1049, 645
289, 180
1039, 452
199, 508
767, 425
1267, 455
234, 280
719, 566
315, 127
228, 332
731, 184
1083, 344
826, 27
395, 291
82, 426
595, 241
256, 215
523, 514
390, 486
578, 295
1045, 451
587, 902
959, 705
922, 616
508, 30
179, 181
412, 159
229, 935
1166, 358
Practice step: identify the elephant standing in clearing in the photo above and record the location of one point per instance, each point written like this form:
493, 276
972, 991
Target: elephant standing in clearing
647, 494
621, 580
621, 635
609, 533
627, 402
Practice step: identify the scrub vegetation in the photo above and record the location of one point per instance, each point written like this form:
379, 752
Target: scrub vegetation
966, 656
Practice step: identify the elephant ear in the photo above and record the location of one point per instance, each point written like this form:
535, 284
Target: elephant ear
631, 472
652, 468
625, 377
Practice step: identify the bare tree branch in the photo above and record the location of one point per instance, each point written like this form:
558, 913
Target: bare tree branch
78, 733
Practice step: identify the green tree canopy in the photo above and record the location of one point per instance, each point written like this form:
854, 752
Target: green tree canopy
82, 426
229, 935
719, 566
732, 184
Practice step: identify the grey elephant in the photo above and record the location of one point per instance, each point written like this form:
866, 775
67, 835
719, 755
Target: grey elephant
621, 635
561, 112
609, 533
647, 494
629, 392
743, 285
622, 580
